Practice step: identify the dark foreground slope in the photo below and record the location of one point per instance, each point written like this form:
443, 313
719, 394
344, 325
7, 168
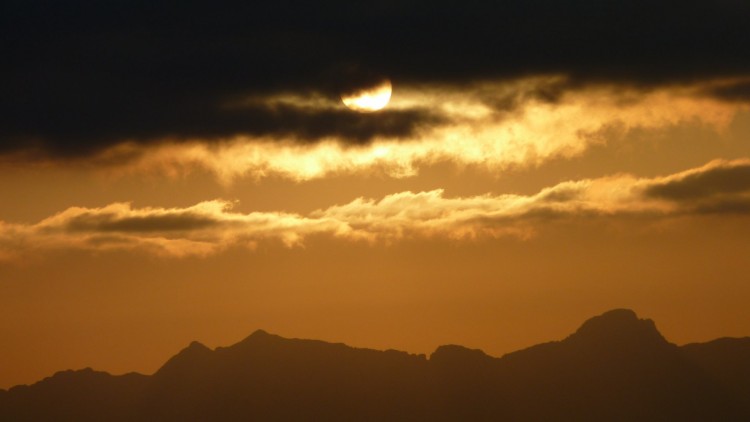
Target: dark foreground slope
615, 367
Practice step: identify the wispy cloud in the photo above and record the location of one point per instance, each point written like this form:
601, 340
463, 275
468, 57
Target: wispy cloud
211, 226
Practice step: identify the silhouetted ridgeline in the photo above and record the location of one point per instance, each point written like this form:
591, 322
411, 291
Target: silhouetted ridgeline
616, 367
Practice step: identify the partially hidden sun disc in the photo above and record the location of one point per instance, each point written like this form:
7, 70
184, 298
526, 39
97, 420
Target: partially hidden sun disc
369, 99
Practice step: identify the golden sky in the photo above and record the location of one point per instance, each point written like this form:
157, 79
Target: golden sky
494, 230
494, 210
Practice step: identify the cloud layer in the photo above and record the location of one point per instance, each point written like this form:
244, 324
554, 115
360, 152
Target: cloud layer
79, 77
494, 126
211, 226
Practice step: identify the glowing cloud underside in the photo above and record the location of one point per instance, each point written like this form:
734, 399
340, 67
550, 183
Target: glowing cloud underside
476, 134
369, 100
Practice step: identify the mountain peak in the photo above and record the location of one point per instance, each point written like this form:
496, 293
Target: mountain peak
618, 326
260, 333
259, 336
620, 317
188, 357
453, 352
196, 346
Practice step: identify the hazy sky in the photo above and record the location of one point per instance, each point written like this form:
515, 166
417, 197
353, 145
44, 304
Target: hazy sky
189, 172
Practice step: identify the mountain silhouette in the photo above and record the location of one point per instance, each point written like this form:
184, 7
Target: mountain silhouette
615, 367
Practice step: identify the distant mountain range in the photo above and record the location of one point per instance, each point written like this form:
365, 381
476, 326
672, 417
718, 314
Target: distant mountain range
615, 367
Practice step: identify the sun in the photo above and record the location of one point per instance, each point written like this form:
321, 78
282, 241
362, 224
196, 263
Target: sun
370, 99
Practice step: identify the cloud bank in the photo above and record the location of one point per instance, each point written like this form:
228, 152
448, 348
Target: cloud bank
491, 126
80, 77
719, 187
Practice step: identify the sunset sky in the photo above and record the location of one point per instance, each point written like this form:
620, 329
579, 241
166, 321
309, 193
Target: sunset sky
183, 172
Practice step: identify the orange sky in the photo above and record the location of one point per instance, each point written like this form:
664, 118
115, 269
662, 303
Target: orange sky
496, 230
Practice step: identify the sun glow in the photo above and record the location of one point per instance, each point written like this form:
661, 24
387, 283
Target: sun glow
368, 100
475, 134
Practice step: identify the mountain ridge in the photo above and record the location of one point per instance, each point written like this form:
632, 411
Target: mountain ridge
614, 367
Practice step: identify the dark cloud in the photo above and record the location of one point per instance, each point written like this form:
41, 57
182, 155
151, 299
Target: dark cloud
78, 76
103, 223
724, 206
309, 124
714, 181
68, 133
739, 91
547, 92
